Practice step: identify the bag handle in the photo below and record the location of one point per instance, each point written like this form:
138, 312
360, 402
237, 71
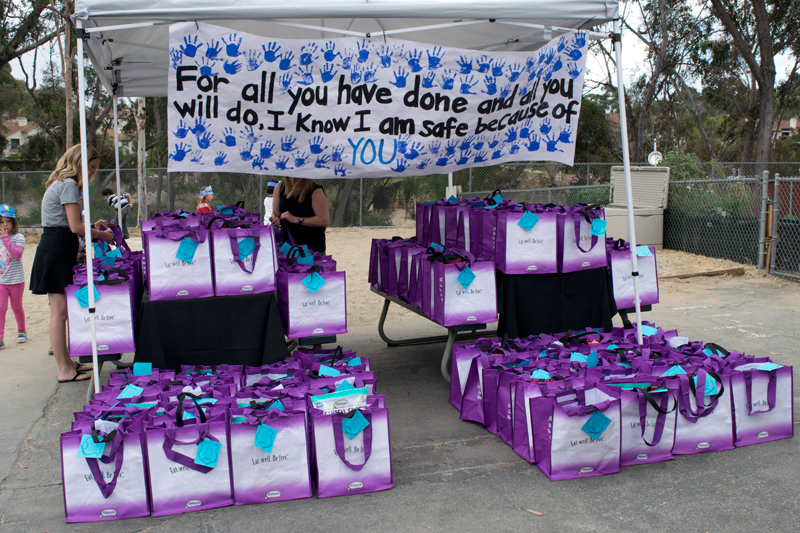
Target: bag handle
576, 224
235, 250
646, 397
116, 455
338, 437
771, 387
179, 414
170, 439
717, 348
619, 243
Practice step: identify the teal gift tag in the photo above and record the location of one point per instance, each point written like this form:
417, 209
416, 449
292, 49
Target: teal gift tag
497, 198
649, 330
540, 374
130, 391
344, 385
108, 260
265, 437
90, 449
599, 227
354, 426
643, 251
710, 388
355, 361
611, 347
207, 453
246, 247
239, 419
452, 199
428, 203
626, 365
659, 390
100, 248
528, 221
207, 400
769, 366
115, 253
674, 371
82, 295
437, 247
466, 277
243, 404
596, 425
314, 282
308, 259
285, 248
490, 206
142, 369
184, 215
186, 250
277, 404
325, 370
590, 360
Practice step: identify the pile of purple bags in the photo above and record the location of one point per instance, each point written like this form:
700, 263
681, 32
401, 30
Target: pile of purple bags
585, 403
156, 442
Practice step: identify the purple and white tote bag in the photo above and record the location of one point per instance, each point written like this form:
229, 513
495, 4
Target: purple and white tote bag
581, 243
462, 299
705, 417
113, 318
622, 281
762, 401
179, 264
526, 243
244, 260
312, 303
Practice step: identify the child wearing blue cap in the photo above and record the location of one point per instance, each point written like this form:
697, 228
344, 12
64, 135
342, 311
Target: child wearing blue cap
204, 203
12, 275
268, 202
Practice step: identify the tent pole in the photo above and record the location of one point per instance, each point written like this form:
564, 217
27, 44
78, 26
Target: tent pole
450, 185
87, 217
116, 161
623, 123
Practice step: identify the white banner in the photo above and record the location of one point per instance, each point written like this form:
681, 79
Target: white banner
358, 108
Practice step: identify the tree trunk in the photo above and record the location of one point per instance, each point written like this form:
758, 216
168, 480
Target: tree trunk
688, 100
650, 94
141, 163
342, 204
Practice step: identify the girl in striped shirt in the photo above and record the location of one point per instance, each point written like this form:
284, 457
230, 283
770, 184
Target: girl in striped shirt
12, 275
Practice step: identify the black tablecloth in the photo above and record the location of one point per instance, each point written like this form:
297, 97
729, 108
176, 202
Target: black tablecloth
237, 330
530, 304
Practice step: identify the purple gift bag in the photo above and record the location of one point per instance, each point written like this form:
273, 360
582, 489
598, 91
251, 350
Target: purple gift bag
705, 418
619, 261
354, 465
461, 363
465, 293
269, 464
762, 400
179, 264
251, 273
580, 249
526, 251
577, 434
310, 308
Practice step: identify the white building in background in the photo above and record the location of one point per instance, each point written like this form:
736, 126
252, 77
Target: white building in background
17, 131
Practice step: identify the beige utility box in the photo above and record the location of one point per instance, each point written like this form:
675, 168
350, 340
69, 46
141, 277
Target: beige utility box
649, 186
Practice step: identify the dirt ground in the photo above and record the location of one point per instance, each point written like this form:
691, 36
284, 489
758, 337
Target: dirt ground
351, 248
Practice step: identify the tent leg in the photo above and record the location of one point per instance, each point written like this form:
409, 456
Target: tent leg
87, 217
626, 161
116, 161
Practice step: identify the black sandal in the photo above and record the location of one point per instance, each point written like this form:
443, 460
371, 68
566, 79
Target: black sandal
75, 377
82, 367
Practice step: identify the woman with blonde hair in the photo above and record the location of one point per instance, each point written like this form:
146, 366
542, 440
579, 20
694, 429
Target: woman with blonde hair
204, 202
302, 204
57, 252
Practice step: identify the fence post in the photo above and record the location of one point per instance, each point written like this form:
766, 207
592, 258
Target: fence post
762, 223
776, 207
360, 201
470, 179
587, 174
170, 207
4, 187
261, 195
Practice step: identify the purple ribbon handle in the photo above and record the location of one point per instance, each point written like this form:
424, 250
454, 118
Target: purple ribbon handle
338, 437
170, 439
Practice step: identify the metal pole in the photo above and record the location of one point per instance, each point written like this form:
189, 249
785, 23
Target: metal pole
450, 185
360, 201
261, 195
87, 217
116, 161
626, 161
470, 179
776, 207
762, 223
170, 203
587, 174
4, 187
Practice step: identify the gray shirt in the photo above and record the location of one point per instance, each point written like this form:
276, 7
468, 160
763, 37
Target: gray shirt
58, 194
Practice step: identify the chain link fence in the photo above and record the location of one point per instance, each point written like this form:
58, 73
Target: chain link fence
714, 209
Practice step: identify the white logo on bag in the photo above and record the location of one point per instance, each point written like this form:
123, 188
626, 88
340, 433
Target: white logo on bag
763, 434
586, 470
532, 267
193, 503
472, 318
641, 457
272, 494
247, 288
703, 445
585, 264
182, 293
355, 485
102, 347
107, 512
341, 403
318, 331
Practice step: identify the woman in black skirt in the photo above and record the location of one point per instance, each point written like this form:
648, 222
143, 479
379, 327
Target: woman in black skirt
301, 202
57, 252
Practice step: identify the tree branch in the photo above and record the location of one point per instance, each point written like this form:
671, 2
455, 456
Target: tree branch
738, 39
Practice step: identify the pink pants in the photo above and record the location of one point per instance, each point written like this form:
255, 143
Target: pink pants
14, 292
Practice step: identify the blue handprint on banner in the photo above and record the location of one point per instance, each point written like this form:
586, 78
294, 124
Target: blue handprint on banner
364, 48
546, 56
248, 135
300, 160
189, 46
495, 140
399, 78
280, 164
321, 160
463, 157
306, 75
498, 153
315, 145
258, 163
232, 45
443, 161
514, 149
435, 58
271, 52
221, 159
254, 60
422, 165
385, 54
197, 157
199, 126
370, 74
511, 135
205, 140
480, 157
336, 153
232, 68
491, 85
177, 58
330, 52
574, 54
464, 65
448, 79
228, 138
213, 49
402, 144
307, 54
182, 131
355, 74
347, 60
287, 144
435, 147
401, 165
551, 144
340, 171
180, 152
466, 143
534, 145
580, 39
557, 65
545, 127
525, 132
514, 71
505, 90
415, 150
286, 61
484, 64
414, 59
479, 142
566, 135
246, 153
572, 70
450, 149
285, 83
428, 80
326, 75
206, 67
267, 150
562, 43
497, 68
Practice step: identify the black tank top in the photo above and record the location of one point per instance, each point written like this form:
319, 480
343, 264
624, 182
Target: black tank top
314, 238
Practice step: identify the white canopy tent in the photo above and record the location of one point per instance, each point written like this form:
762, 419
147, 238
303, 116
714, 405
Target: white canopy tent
128, 43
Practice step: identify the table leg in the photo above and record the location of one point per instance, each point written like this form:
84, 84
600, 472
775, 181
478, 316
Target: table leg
448, 350
90, 390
